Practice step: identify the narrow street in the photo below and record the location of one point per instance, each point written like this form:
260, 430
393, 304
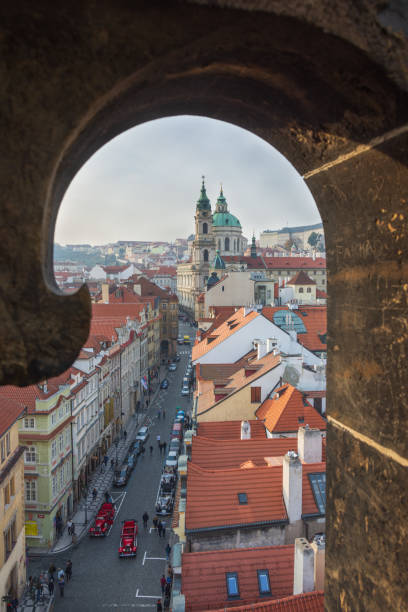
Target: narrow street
101, 580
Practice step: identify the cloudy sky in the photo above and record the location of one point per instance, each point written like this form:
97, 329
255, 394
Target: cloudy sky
143, 185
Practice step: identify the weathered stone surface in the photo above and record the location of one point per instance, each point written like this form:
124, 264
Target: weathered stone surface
367, 502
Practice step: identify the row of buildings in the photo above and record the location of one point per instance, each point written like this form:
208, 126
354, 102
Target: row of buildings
250, 512
53, 435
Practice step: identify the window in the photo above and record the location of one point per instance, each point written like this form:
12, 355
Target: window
227, 244
3, 453
53, 449
300, 289
255, 394
308, 290
242, 498
53, 418
263, 582
205, 255
6, 494
29, 423
61, 412
222, 288
30, 490
232, 585
61, 442
54, 485
318, 484
8, 449
205, 228
61, 478
30, 455
164, 305
10, 539
163, 317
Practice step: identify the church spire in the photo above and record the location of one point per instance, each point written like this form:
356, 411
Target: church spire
203, 203
221, 205
253, 247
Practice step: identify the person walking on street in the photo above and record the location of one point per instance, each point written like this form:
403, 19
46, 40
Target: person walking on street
94, 494
158, 415
164, 446
164, 413
105, 460
69, 526
158, 440
163, 583
68, 570
112, 464
52, 570
155, 521
125, 434
159, 607
163, 528
145, 518
168, 551
61, 581
159, 528
151, 449
51, 586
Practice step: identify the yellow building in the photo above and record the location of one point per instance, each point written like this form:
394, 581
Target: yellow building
12, 542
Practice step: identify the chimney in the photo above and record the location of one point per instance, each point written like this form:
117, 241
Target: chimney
319, 548
261, 349
137, 289
303, 579
292, 486
309, 445
271, 343
245, 430
105, 293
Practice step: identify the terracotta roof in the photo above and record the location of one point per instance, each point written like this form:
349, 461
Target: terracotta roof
212, 497
115, 269
308, 500
210, 371
105, 311
314, 318
250, 262
301, 278
225, 454
203, 579
295, 263
27, 396
233, 324
305, 602
289, 412
229, 430
221, 314
10, 411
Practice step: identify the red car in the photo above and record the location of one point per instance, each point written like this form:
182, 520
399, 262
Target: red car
103, 520
128, 539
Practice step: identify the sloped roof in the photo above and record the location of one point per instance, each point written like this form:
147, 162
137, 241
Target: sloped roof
203, 580
212, 497
252, 263
295, 263
314, 319
229, 430
10, 410
289, 412
305, 602
301, 278
233, 324
13, 397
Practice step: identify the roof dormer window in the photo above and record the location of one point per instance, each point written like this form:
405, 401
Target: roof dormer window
232, 585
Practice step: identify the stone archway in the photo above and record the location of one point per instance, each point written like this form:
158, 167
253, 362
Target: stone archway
319, 93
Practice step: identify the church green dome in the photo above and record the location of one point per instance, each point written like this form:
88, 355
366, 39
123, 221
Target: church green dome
225, 219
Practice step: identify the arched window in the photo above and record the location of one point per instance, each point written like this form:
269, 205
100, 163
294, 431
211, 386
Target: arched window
205, 255
205, 228
235, 246
227, 248
219, 244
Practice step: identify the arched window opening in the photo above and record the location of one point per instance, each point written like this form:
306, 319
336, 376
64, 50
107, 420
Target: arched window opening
205, 255
205, 228
227, 244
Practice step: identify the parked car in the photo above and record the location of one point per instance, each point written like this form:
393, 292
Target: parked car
121, 476
175, 445
164, 383
185, 390
172, 459
142, 434
137, 447
180, 340
177, 357
185, 382
131, 460
177, 431
128, 539
172, 367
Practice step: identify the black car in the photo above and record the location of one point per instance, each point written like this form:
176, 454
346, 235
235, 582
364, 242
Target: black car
137, 447
177, 357
131, 460
121, 476
164, 384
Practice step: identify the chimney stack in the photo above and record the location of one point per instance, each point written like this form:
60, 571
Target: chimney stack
261, 349
309, 445
319, 548
245, 430
105, 293
292, 486
303, 579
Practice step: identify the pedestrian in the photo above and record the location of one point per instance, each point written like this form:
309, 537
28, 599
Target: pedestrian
151, 449
61, 581
159, 607
164, 446
51, 585
51, 570
112, 464
163, 528
14, 603
168, 551
167, 590
164, 413
145, 518
125, 434
163, 583
38, 590
73, 529
158, 415
69, 526
158, 440
94, 494
105, 460
68, 570
155, 521
159, 528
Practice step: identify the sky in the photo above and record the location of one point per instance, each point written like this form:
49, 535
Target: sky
144, 184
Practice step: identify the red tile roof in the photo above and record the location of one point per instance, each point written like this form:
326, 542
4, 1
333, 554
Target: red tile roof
305, 602
308, 500
27, 396
314, 318
233, 324
301, 278
212, 497
10, 411
203, 580
251, 263
288, 412
295, 263
230, 430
